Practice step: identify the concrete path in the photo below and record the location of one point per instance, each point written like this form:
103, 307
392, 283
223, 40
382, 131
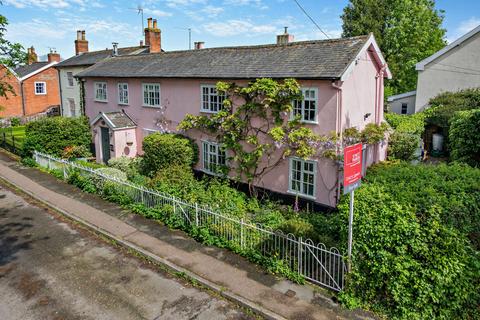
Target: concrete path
52, 269
225, 272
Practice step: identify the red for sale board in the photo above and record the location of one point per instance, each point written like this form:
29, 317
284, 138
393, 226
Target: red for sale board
352, 164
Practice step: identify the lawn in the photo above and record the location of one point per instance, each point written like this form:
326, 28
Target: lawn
13, 137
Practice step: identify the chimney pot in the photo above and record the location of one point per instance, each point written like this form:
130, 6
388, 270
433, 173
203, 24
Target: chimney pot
115, 49
155, 24
199, 45
81, 44
83, 34
79, 34
149, 23
285, 38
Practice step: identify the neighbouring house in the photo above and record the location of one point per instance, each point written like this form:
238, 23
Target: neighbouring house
130, 97
453, 68
71, 89
35, 85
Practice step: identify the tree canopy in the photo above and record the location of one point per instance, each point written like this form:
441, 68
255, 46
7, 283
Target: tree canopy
407, 32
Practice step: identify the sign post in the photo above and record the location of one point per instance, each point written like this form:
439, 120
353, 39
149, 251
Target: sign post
352, 174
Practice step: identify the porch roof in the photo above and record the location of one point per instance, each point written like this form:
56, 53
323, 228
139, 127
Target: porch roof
115, 120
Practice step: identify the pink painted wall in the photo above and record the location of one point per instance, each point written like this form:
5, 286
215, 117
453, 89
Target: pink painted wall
182, 96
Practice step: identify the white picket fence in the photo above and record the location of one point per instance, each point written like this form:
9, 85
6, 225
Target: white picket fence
315, 262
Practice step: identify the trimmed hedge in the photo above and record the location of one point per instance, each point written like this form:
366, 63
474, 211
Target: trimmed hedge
416, 241
163, 150
464, 138
53, 135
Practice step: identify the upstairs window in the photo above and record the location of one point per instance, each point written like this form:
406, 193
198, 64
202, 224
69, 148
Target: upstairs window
306, 108
40, 88
151, 95
70, 79
123, 93
302, 177
214, 158
212, 101
404, 108
101, 91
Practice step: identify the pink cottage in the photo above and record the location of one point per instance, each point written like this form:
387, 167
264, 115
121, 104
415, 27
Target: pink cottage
129, 97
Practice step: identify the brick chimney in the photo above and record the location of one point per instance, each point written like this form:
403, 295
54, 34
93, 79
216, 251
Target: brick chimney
31, 55
153, 37
285, 38
81, 44
199, 45
53, 56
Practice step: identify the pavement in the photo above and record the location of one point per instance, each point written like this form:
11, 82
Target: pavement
51, 268
220, 270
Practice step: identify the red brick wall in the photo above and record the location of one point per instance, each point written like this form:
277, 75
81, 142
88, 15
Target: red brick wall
39, 103
13, 105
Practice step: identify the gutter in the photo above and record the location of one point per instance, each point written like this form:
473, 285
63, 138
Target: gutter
23, 98
338, 128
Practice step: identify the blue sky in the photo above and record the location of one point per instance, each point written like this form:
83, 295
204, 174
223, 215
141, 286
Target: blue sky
52, 23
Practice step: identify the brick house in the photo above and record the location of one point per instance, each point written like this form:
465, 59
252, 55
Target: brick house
129, 97
35, 85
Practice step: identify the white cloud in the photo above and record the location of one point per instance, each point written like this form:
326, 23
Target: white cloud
463, 28
179, 3
235, 27
212, 11
37, 3
157, 12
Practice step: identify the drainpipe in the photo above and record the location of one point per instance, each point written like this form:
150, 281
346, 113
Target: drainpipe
60, 91
24, 111
338, 126
378, 106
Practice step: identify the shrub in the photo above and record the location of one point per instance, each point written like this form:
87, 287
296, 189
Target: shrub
406, 137
178, 181
99, 182
53, 135
131, 166
163, 150
416, 240
15, 122
75, 152
464, 138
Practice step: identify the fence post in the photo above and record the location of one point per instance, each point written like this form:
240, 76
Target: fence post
196, 214
242, 241
299, 255
65, 170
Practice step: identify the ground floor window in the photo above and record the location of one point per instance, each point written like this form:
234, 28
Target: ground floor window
71, 106
302, 177
404, 108
214, 158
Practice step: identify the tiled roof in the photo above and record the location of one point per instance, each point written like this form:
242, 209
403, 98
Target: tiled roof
322, 59
115, 120
29, 68
90, 58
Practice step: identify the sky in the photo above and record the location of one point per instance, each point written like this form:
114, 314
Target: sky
49, 24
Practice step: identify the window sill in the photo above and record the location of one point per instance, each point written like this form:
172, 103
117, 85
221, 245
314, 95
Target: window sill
301, 195
123, 104
153, 107
214, 173
208, 111
40, 94
102, 101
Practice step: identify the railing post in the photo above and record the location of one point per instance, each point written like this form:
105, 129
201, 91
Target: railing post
242, 241
196, 214
65, 170
299, 255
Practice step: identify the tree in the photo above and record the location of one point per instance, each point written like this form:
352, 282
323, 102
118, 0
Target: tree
407, 31
255, 128
11, 55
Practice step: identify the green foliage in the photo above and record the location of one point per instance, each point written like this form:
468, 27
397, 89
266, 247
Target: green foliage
416, 242
464, 138
407, 31
29, 162
131, 166
15, 122
53, 135
84, 183
405, 139
163, 150
74, 152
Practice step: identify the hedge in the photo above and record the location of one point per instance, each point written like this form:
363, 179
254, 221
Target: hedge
416, 241
464, 138
53, 135
163, 150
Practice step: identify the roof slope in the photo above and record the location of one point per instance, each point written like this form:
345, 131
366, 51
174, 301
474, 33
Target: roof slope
90, 58
29, 68
115, 120
321, 59
421, 65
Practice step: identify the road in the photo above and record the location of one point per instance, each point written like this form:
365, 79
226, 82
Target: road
52, 269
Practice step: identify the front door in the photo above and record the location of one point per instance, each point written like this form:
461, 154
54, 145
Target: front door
105, 137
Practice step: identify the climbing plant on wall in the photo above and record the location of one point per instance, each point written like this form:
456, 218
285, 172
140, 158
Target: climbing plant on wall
256, 129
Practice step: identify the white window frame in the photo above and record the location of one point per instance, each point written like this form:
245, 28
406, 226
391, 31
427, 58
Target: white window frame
302, 106
72, 111
44, 88
209, 102
68, 79
120, 87
206, 157
144, 87
301, 192
96, 88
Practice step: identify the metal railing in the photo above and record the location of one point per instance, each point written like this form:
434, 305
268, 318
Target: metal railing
315, 262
